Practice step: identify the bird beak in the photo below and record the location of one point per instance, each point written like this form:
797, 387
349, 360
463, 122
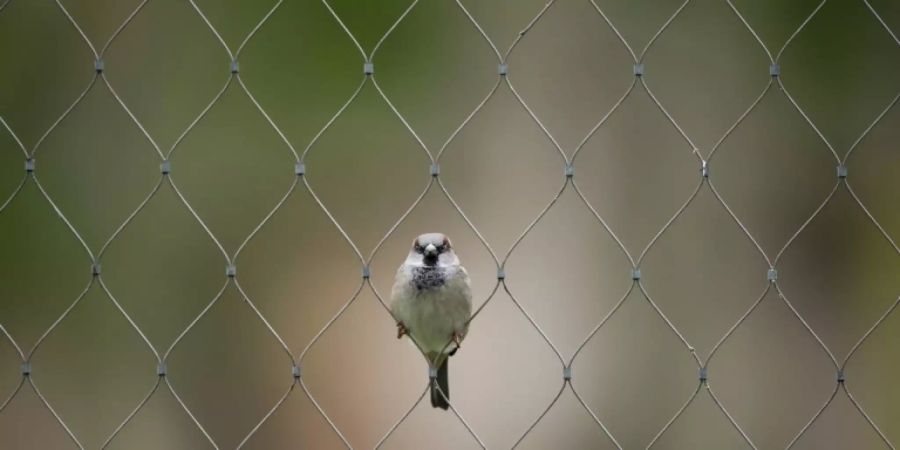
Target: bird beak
430, 249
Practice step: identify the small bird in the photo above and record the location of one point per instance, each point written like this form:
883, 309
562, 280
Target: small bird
432, 303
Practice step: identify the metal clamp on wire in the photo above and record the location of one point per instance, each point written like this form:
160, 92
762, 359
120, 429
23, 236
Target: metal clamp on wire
841, 171
638, 70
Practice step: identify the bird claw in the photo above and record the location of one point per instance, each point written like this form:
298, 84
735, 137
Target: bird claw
457, 339
401, 330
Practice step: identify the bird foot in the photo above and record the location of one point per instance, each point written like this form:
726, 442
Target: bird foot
401, 330
457, 339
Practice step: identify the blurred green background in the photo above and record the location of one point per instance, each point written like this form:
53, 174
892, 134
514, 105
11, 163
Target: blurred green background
773, 171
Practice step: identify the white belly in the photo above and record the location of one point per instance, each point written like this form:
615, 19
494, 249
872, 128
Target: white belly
432, 316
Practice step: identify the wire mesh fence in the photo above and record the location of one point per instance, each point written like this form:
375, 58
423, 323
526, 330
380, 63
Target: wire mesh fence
441, 201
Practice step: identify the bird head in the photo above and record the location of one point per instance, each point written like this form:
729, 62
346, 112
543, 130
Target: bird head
432, 249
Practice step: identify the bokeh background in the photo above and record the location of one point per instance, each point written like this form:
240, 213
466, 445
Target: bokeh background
840, 273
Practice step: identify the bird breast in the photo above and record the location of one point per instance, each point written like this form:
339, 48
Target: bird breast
428, 277
433, 303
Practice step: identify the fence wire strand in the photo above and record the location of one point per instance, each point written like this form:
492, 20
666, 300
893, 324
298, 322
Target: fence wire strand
637, 86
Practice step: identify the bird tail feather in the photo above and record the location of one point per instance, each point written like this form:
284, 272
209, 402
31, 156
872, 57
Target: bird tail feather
438, 400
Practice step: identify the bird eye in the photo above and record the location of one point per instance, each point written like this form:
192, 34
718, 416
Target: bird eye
440, 249
418, 248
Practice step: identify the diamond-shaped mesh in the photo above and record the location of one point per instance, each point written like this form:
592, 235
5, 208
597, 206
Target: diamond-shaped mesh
642, 76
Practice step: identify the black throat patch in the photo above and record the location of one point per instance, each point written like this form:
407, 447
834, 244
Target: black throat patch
428, 277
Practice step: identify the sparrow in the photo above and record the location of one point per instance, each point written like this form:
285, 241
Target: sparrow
432, 302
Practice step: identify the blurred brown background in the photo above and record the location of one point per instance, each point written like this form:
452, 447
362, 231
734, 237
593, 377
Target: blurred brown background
773, 171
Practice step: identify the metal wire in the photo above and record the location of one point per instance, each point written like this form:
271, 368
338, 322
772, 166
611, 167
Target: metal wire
638, 86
